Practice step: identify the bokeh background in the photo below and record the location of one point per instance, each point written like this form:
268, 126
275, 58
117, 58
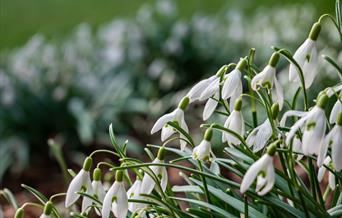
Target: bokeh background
70, 68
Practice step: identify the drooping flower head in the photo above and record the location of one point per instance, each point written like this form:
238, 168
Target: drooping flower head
81, 182
47, 210
202, 151
177, 116
337, 108
333, 140
263, 171
98, 189
267, 79
314, 123
211, 93
234, 122
321, 171
232, 86
260, 135
116, 198
148, 183
134, 193
307, 58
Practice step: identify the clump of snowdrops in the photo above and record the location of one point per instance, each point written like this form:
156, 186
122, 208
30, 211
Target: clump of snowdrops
303, 136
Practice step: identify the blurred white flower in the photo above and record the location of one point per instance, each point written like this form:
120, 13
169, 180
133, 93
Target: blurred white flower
232, 86
307, 58
234, 122
263, 171
116, 199
314, 122
81, 182
336, 110
322, 170
177, 116
202, 151
333, 140
148, 183
259, 136
134, 193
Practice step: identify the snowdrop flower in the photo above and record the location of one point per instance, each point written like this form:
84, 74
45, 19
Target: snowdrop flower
178, 116
134, 193
202, 151
297, 147
47, 210
333, 139
336, 110
234, 122
148, 183
210, 90
232, 86
261, 134
306, 57
79, 182
314, 122
267, 79
263, 171
322, 170
98, 189
116, 198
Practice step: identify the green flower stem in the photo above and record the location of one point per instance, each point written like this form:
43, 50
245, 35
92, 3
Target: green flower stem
206, 190
104, 151
250, 74
289, 57
330, 17
56, 196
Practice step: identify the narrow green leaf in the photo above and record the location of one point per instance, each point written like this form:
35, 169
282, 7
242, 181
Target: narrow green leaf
207, 205
334, 64
8, 195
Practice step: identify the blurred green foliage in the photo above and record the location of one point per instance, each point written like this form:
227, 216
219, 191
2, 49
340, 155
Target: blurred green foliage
21, 19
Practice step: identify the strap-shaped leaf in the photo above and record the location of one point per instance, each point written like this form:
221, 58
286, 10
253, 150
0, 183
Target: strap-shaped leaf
8, 195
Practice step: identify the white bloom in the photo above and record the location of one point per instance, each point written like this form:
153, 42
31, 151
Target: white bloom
134, 193
306, 57
232, 87
116, 200
322, 170
196, 91
335, 111
263, 170
202, 151
259, 136
79, 182
297, 147
99, 193
234, 122
267, 78
211, 90
333, 139
178, 116
314, 122
45, 216
148, 184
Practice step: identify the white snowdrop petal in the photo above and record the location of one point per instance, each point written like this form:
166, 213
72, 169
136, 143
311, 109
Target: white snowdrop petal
252, 173
270, 177
87, 202
231, 83
196, 91
236, 94
320, 174
164, 178
209, 108
121, 208
332, 183
336, 149
162, 121
167, 131
212, 88
107, 202
310, 68
335, 111
263, 135
75, 186
291, 113
279, 93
